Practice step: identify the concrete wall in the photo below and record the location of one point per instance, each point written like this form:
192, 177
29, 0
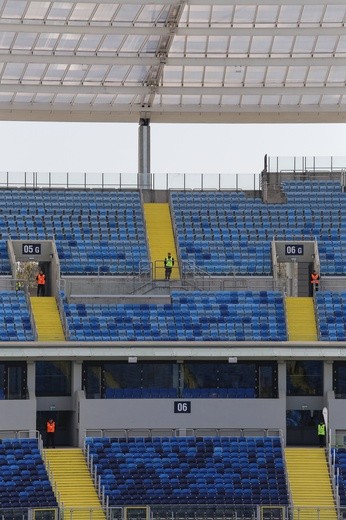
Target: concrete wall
159, 413
18, 414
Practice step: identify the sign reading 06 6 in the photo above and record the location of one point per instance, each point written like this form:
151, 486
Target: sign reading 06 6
294, 249
31, 249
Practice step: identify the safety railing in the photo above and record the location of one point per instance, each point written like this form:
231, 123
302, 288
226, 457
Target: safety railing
37, 513
305, 164
130, 181
21, 434
175, 432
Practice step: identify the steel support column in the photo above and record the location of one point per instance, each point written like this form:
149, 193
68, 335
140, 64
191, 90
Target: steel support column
144, 180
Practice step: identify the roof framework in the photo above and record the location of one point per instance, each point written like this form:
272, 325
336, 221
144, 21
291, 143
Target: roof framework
173, 61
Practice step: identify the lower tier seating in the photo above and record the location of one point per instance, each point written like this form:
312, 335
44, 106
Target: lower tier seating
189, 470
23, 477
339, 455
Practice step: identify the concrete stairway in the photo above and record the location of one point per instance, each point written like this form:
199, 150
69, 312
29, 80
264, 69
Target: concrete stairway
47, 318
301, 321
310, 484
160, 238
74, 486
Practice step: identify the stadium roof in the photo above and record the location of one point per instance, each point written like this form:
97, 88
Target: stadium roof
173, 61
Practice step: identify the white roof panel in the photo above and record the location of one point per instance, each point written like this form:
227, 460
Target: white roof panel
170, 60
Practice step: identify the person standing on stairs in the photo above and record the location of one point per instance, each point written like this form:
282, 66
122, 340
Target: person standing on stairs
41, 283
169, 263
314, 280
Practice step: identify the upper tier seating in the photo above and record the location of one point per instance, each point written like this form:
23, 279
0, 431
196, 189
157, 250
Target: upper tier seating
95, 231
188, 470
15, 324
192, 316
331, 315
23, 477
226, 233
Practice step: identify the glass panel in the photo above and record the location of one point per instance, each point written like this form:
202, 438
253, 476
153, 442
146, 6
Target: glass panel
82, 12
24, 41
157, 375
2, 382
13, 71
55, 72
59, 11
53, 378
123, 375
34, 72
37, 10
46, 42
92, 381
104, 13
339, 380
96, 73
15, 382
304, 378
219, 375
14, 9
89, 43
75, 73
266, 387
111, 43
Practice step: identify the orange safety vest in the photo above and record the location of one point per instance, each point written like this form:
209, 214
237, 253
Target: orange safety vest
50, 427
315, 278
41, 279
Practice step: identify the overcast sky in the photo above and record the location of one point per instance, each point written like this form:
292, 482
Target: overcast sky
81, 147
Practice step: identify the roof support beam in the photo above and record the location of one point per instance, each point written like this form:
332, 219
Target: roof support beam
149, 30
207, 2
135, 110
311, 90
296, 61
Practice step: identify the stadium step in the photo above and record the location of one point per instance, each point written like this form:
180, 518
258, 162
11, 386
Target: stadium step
310, 484
160, 238
301, 321
47, 318
72, 483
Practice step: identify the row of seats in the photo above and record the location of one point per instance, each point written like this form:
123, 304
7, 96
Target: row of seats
187, 393
339, 455
110, 222
191, 470
228, 316
15, 324
230, 233
331, 315
205, 226
24, 481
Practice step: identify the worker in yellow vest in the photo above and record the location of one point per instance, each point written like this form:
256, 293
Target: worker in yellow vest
321, 432
169, 263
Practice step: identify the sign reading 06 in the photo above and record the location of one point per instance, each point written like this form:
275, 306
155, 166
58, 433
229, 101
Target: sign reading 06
31, 249
182, 406
294, 249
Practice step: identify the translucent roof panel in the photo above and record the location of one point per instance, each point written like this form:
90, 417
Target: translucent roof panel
186, 61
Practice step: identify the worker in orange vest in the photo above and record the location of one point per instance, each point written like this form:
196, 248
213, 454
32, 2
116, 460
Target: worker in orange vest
41, 283
314, 280
50, 432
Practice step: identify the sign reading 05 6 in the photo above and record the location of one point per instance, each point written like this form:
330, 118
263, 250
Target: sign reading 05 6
294, 249
31, 249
